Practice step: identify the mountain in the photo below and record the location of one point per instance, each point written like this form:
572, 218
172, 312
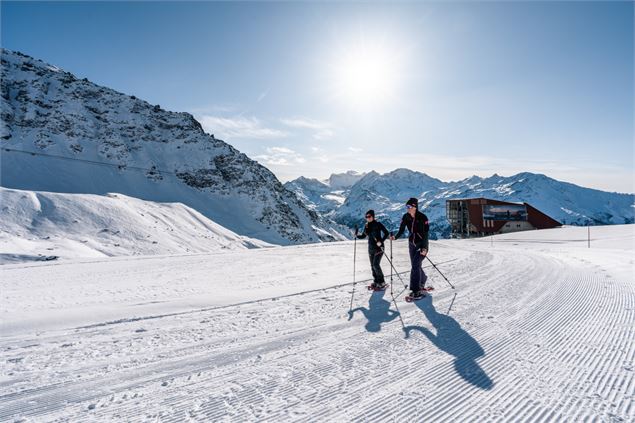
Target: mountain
386, 194
324, 196
315, 194
83, 138
343, 181
381, 192
44, 226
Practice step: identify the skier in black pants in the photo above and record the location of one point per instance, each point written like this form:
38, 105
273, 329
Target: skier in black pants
377, 234
418, 227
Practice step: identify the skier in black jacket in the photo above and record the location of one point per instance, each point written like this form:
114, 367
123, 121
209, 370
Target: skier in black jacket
418, 227
377, 234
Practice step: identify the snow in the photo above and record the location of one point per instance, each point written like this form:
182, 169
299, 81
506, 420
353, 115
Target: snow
49, 226
540, 327
334, 197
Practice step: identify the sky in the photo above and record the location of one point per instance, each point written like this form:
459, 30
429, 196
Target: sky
450, 89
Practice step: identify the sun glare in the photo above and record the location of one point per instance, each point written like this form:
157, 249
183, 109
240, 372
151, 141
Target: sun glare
365, 76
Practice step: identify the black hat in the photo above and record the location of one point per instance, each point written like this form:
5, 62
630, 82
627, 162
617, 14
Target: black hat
412, 202
370, 212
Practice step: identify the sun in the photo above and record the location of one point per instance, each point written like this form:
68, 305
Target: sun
365, 76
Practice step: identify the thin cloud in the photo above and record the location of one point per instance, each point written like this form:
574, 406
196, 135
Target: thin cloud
262, 96
323, 134
280, 150
280, 156
239, 127
321, 130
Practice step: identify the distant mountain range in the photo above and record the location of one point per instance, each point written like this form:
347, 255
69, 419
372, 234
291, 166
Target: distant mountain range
69, 135
387, 193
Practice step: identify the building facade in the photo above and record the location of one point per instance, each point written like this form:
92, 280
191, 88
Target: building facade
473, 217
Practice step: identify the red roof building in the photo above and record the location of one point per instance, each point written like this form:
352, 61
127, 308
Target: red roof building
472, 217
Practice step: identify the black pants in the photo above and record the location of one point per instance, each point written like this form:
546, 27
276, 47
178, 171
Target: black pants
375, 259
418, 277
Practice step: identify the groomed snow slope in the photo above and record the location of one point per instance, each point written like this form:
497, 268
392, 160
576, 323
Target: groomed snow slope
44, 225
539, 328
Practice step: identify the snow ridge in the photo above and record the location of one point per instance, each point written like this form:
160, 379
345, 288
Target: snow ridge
43, 226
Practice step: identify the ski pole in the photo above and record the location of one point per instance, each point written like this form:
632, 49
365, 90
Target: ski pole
441, 273
397, 308
451, 304
354, 259
396, 272
392, 295
391, 266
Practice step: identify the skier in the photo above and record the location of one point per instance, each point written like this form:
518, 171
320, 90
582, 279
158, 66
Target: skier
418, 227
377, 234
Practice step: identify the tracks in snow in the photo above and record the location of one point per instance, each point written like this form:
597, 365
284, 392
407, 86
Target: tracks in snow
530, 338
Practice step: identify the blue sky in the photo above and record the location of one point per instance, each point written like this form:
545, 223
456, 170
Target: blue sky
450, 89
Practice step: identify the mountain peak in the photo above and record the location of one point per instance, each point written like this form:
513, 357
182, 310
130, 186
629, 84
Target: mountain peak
401, 171
344, 180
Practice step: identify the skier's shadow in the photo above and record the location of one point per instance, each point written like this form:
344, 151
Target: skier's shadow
454, 340
378, 312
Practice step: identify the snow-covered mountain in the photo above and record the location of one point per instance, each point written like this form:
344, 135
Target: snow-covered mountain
45, 225
344, 181
316, 194
87, 138
387, 194
327, 195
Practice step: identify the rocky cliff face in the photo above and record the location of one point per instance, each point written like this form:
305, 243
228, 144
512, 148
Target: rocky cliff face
64, 134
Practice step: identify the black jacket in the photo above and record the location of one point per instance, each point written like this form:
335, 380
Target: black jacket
418, 228
376, 232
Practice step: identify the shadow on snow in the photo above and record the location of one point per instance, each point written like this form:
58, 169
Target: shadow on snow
378, 312
451, 338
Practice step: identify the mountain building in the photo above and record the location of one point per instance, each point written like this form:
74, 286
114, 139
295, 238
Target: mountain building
473, 217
